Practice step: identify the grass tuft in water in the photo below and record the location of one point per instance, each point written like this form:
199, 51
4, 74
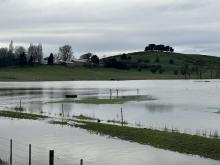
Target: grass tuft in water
117, 122
83, 117
113, 100
56, 122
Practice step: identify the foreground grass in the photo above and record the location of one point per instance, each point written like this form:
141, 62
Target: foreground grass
183, 143
21, 115
114, 100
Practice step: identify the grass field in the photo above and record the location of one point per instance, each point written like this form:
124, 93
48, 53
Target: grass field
209, 65
61, 73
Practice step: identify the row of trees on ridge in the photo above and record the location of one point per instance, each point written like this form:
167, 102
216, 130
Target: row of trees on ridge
161, 48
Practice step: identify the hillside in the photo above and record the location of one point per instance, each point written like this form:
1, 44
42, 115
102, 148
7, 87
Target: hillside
164, 63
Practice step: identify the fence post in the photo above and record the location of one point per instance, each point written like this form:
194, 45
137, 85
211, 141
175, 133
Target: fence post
62, 115
62, 111
20, 104
122, 120
110, 93
81, 162
29, 154
10, 152
51, 157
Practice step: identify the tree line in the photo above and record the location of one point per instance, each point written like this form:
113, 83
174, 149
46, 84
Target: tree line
20, 56
65, 54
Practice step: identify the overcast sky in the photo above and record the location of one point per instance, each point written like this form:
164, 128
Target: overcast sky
111, 26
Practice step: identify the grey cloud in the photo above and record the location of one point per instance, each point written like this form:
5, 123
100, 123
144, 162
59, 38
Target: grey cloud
112, 26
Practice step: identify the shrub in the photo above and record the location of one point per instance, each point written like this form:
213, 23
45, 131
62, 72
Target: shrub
157, 60
147, 60
175, 72
140, 60
123, 57
171, 62
161, 70
139, 68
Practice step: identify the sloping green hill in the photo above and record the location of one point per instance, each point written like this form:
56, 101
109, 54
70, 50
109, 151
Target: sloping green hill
164, 63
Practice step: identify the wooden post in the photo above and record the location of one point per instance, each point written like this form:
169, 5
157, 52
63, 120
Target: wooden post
62, 114
137, 92
81, 162
110, 93
10, 152
29, 154
122, 120
20, 104
51, 157
62, 111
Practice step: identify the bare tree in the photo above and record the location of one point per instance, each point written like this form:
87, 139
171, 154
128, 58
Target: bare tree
65, 53
11, 47
40, 53
36, 52
19, 50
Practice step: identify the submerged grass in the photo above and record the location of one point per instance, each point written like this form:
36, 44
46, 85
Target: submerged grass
113, 100
117, 122
21, 115
56, 122
174, 141
83, 117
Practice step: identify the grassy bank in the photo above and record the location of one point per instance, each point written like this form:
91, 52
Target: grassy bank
183, 143
21, 115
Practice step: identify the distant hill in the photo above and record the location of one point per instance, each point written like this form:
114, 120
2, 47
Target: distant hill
167, 63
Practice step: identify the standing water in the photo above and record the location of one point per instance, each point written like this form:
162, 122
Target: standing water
189, 106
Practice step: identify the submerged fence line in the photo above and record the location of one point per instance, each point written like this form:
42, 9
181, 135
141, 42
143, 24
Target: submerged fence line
18, 153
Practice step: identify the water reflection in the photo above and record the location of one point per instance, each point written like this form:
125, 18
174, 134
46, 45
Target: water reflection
158, 107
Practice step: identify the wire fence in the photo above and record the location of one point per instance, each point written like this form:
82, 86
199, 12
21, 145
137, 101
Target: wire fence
18, 153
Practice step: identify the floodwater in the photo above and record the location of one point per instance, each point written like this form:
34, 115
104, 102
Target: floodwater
189, 106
